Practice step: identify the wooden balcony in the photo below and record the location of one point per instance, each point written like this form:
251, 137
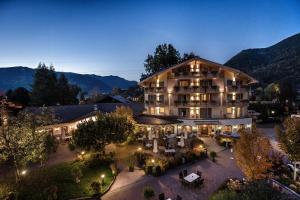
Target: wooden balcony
156, 103
197, 89
156, 90
197, 103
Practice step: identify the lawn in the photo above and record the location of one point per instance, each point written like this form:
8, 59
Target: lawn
35, 183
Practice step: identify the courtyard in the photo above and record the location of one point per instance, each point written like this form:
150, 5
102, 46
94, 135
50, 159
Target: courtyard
130, 185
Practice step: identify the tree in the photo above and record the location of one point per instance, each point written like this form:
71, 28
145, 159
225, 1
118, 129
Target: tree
22, 140
288, 91
289, 139
20, 95
44, 90
187, 56
165, 55
125, 112
106, 129
252, 152
272, 91
47, 90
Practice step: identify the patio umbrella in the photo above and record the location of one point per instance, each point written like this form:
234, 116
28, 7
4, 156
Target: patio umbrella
155, 150
150, 135
185, 134
181, 141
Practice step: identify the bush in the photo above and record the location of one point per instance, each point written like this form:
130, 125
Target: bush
95, 186
71, 146
157, 171
76, 173
213, 155
51, 192
51, 144
131, 139
140, 158
98, 159
224, 195
149, 169
148, 192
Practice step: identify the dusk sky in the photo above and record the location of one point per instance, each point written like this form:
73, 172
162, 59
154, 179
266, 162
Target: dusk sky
114, 37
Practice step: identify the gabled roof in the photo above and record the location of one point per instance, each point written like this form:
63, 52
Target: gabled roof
71, 113
252, 80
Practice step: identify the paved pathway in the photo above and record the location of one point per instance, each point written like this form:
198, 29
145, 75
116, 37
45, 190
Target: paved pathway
129, 186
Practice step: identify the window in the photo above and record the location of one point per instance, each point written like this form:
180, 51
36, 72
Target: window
184, 83
183, 112
227, 129
152, 111
205, 112
229, 110
229, 82
160, 110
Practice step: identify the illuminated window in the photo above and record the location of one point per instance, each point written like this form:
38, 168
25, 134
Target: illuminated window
229, 110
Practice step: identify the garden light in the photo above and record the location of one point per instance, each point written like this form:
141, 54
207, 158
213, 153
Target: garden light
102, 176
139, 149
152, 160
23, 172
83, 152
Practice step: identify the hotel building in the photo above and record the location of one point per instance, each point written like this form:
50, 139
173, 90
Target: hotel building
206, 97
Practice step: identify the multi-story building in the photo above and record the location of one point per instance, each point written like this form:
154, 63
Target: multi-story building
206, 96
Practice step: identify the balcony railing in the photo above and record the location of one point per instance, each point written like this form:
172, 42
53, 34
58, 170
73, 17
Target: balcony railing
196, 103
156, 89
156, 103
197, 89
237, 88
234, 103
198, 74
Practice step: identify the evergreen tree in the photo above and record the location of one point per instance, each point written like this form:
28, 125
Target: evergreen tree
48, 91
44, 86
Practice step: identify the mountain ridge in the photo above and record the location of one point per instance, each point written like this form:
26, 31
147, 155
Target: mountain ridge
270, 64
20, 76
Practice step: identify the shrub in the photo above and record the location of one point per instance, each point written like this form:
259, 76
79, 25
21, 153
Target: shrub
51, 144
140, 158
157, 171
131, 139
148, 192
51, 192
98, 159
71, 146
149, 169
95, 186
224, 195
76, 173
213, 155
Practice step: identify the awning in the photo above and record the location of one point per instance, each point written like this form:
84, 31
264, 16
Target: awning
207, 122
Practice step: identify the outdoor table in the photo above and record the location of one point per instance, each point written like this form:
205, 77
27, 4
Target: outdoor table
191, 177
148, 145
170, 151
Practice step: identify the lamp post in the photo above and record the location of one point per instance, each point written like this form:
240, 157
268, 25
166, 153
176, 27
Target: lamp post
102, 179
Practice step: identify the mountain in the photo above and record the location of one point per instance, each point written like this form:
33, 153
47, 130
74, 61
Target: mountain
271, 64
13, 77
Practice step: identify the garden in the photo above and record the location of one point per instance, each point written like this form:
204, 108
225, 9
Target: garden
80, 178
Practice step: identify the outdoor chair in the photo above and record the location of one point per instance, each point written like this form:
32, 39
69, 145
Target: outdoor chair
178, 197
199, 173
185, 172
161, 196
180, 175
201, 181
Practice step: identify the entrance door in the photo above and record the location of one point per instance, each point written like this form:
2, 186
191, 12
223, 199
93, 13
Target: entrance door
203, 129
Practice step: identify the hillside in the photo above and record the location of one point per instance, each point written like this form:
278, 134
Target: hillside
271, 64
12, 77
